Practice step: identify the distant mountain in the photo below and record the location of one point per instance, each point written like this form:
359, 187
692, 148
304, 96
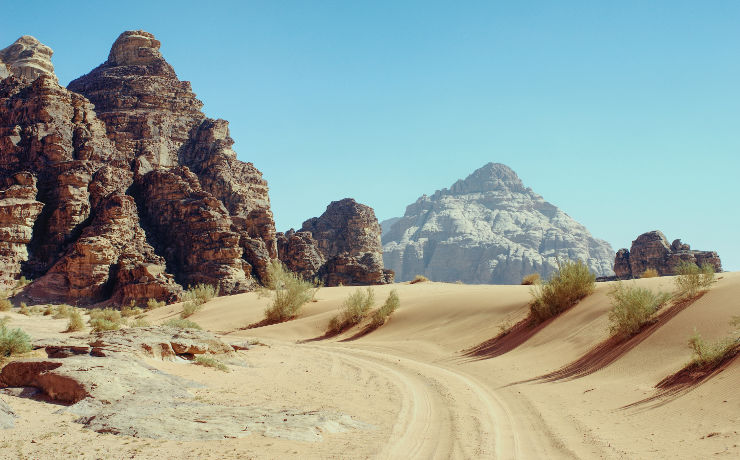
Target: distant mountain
487, 228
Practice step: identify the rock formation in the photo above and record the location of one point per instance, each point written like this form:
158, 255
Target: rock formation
342, 246
651, 250
488, 228
118, 187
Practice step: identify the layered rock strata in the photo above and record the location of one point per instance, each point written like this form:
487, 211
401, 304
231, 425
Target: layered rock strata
127, 190
488, 228
652, 251
342, 246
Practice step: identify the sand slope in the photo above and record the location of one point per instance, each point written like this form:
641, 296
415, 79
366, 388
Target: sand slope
425, 398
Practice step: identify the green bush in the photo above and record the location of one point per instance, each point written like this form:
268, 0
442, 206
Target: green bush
151, 304
140, 322
207, 361
379, 316
189, 308
289, 293
354, 309
75, 323
13, 341
710, 353
179, 323
102, 324
632, 307
200, 293
691, 279
106, 319
571, 282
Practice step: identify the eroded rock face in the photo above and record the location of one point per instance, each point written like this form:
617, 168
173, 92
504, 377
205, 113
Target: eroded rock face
126, 199
344, 243
26, 58
651, 250
488, 228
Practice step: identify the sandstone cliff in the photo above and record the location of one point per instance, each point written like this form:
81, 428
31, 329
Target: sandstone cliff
118, 187
342, 246
488, 228
651, 250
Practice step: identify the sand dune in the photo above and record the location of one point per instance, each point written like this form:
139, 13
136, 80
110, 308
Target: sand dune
424, 396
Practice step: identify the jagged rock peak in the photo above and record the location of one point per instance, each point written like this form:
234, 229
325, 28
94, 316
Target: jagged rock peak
492, 176
135, 47
26, 58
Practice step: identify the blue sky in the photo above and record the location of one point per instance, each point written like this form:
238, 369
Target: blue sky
626, 115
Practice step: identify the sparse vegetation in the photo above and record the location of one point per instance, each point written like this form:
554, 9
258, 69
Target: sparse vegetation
48, 311
139, 322
63, 311
381, 315
288, 291
354, 309
632, 307
711, 354
649, 273
75, 322
531, 279
692, 279
106, 319
131, 310
207, 361
13, 341
419, 279
151, 304
189, 308
24, 309
571, 282
22, 282
179, 323
5, 304
195, 297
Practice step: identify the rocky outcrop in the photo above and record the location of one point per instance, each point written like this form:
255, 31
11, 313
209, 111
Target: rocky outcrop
344, 243
26, 58
127, 191
652, 251
488, 228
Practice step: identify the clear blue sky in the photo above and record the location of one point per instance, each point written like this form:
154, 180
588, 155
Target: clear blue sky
626, 115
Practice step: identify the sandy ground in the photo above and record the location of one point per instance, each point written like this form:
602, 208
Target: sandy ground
423, 396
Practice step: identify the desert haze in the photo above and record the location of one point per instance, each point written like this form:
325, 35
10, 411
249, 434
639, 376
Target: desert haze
424, 385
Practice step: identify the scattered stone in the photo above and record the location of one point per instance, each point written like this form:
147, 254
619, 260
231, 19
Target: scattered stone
651, 250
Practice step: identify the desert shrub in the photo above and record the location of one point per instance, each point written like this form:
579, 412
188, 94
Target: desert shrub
354, 308
207, 361
571, 282
179, 323
692, 279
13, 341
632, 307
139, 322
379, 317
24, 309
710, 353
22, 282
75, 322
5, 304
36, 310
531, 279
419, 279
649, 273
189, 308
106, 319
48, 311
63, 311
151, 304
131, 310
289, 292
200, 293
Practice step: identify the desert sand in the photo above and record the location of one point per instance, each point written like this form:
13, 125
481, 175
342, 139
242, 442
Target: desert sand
427, 385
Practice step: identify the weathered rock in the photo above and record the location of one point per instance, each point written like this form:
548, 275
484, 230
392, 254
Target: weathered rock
113, 391
26, 58
18, 211
7, 416
344, 243
652, 251
82, 221
488, 228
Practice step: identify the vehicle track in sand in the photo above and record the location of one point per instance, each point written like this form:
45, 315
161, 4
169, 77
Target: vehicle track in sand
446, 413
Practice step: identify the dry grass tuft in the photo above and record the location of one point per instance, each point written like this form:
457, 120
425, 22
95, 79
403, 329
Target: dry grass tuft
419, 279
649, 273
381, 315
75, 322
354, 309
531, 279
179, 323
289, 293
13, 341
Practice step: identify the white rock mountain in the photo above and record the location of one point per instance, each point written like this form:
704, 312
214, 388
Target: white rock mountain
488, 228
